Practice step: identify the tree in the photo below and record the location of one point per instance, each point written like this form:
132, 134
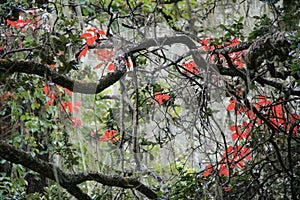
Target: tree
107, 98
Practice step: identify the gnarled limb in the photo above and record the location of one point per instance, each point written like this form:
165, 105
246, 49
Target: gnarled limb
70, 181
29, 67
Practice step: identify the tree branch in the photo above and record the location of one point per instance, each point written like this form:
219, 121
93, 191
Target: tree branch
29, 67
70, 181
111, 78
113, 181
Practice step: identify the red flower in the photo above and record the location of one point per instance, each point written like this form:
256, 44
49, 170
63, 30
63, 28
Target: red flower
50, 95
226, 189
86, 35
191, 67
209, 169
68, 106
223, 170
293, 119
49, 102
100, 32
236, 157
245, 152
91, 35
83, 51
232, 104
161, 98
250, 114
263, 102
104, 54
236, 58
241, 132
234, 42
111, 67
205, 44
94, 30
109, 135
237, 135
75, 121
21, 22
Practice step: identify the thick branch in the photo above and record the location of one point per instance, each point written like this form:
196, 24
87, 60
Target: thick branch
113, 181
70, 181
97, 87
177, 39
29, 67
242, 73
13, 155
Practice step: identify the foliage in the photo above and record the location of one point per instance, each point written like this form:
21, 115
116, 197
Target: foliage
168, 99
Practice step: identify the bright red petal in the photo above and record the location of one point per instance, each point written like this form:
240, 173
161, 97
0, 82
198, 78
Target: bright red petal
50, 102
98, 66
233, 128
111, 67
250, 114
90, 41
83, 51
86, 35
226, 189
230, 107
46, 89
101, 32
261, 97
206, 173
234, 136
158, 97
223, 170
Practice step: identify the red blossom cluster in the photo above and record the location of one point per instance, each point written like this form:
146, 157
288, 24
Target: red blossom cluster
241, 132
23, 22
207, 45
109, 135
50, 94
236, 57
70, 107
91, 36
276, 112
191, 67
281, 119
235, 156
66, 106
104, 56
161, 98
75, 121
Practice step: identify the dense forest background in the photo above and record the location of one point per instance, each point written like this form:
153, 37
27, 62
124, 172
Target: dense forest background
112, 99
